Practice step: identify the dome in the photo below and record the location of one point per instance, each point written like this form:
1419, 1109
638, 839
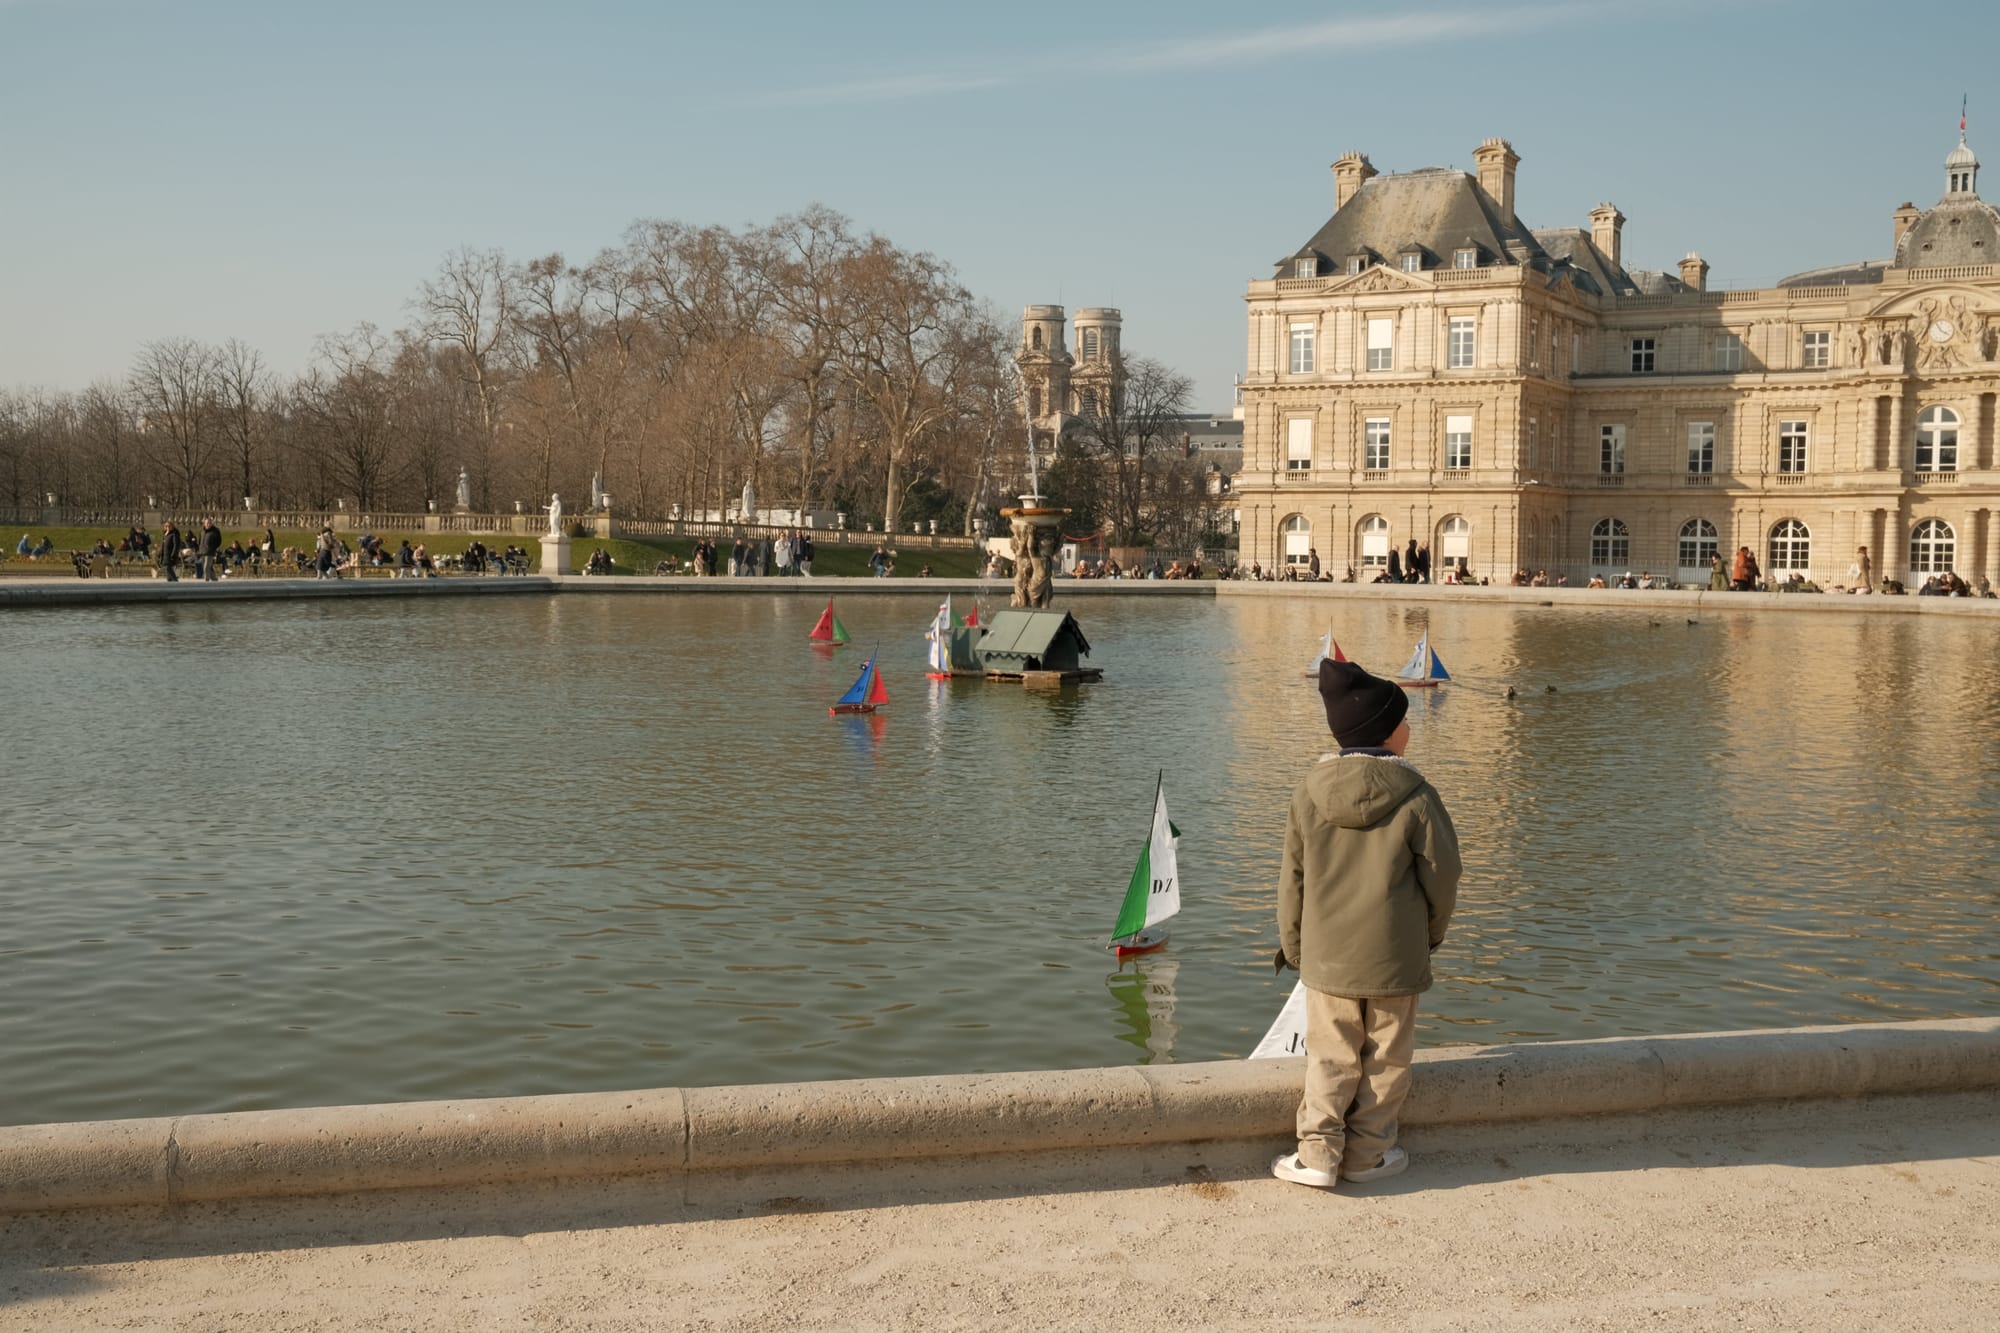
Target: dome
1961, 230
1961, 156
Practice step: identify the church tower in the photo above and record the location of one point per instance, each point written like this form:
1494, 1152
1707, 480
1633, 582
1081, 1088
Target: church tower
1045, 366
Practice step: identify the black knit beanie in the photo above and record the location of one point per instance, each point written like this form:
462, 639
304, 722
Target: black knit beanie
1363, 710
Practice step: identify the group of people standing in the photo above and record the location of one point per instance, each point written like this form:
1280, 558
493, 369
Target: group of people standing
791, 552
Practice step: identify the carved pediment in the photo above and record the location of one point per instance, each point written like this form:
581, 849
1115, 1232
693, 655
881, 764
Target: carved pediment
1380, 278
1939, 328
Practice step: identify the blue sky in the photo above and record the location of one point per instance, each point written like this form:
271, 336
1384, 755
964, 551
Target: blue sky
272, 171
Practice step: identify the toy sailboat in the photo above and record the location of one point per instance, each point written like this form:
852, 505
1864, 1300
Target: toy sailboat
864, 695
951, 644
829, 630
1423, 670
1328, 651
1154, 895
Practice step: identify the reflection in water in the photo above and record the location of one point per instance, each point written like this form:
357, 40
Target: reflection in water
1143, 989
482, 847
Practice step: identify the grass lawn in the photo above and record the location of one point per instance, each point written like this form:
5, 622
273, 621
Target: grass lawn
630, 555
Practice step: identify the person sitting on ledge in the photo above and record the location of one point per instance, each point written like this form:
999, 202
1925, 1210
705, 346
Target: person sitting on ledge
1596, 581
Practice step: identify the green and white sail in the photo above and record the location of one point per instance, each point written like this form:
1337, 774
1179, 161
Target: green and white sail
1154, 894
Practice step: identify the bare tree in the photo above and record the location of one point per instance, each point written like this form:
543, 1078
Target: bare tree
468, 306
1126, 436
241, 387
174, 384
903, 352
346, 398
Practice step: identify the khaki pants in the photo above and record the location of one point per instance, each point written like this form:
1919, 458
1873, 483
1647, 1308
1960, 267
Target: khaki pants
1357, 1075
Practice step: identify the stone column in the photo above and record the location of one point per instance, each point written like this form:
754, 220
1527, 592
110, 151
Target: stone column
1898, 450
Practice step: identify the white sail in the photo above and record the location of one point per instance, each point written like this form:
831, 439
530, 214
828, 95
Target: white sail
1325, 651
1420, 660
939, 635
1288, 1034
1162, 856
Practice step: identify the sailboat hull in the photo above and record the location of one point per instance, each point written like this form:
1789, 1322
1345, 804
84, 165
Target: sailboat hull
1420, 684
839, 709
1151, 940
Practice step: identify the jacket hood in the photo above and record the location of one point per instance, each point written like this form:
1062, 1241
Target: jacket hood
1360, 790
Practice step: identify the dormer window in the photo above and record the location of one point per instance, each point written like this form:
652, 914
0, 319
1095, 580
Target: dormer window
1467, 257
1355, 263
1413, 261
1306, 268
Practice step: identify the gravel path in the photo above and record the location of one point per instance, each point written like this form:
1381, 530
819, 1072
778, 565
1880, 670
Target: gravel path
1873, 1214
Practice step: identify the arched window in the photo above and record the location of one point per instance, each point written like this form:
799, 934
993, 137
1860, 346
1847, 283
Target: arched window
1933, 547
1791, 548
1610, 543
1937, 440
1090, 344
1455, 539
1298, 541
1374, 531
1035, 338
1087, 402
1699, 542
1534, 543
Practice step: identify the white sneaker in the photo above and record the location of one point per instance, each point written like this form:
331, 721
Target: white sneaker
1392, 1163
1289, 1167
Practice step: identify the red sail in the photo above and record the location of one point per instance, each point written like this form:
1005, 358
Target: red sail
823, 631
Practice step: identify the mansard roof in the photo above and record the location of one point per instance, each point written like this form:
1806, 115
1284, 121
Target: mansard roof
1437, 210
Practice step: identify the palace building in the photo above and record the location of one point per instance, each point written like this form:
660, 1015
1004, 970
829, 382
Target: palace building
1428, 367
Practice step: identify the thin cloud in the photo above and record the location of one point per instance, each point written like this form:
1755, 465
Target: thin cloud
1264, 44
1435, 27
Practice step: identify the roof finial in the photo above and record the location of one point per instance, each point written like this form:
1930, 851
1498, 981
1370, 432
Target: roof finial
1961, 117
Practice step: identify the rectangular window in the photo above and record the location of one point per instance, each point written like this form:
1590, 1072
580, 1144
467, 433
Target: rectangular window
1413, 263
1459, 353
1298, 444
1302, 349
1355, 263
1818, 349
1611, 449
1701, 446
1534, 343
1465, 259
1576, 353
1534, 443
1457, 443
1090, 344
1642, 356
1791, 446
1728, 351
1306, 268
1381, 344
1376, 451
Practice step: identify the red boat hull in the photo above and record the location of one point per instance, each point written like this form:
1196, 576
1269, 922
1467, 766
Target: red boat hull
1134, 950
838, 709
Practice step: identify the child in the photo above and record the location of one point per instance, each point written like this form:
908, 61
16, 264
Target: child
1365, 892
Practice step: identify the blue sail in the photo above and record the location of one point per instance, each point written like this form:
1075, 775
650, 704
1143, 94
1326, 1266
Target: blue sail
858, 692
1437, 668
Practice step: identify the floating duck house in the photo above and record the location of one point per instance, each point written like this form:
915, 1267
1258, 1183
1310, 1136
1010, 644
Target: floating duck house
1021, 642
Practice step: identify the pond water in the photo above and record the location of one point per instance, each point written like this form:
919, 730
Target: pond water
279, 854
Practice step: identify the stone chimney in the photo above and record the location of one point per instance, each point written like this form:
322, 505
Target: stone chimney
1606, 224
1694, 272
1349, 171
1497, 160
1905, 217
